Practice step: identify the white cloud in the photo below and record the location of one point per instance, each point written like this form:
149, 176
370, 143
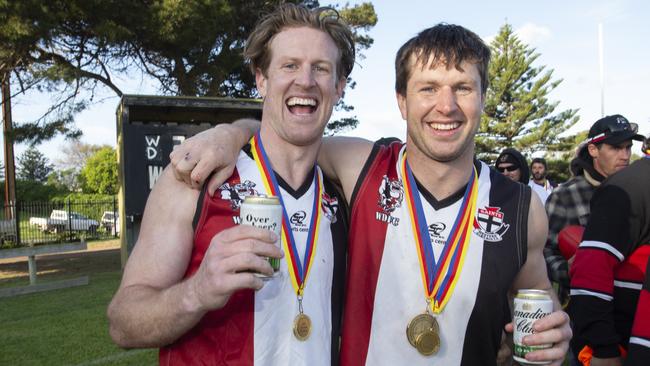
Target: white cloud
533, 34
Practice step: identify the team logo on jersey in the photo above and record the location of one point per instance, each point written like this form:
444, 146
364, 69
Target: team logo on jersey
329, 205
435, 232
489, 224
237, 192
298, 218
391, 195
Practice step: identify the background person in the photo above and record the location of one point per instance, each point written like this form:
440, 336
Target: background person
538, 170
610, 267
606, 151
513, 165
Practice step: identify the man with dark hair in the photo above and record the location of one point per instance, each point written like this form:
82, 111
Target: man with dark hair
191, 284
438, 240
606, 151
609, 270
540, 183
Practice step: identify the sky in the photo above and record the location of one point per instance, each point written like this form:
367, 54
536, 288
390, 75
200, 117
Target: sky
564, 33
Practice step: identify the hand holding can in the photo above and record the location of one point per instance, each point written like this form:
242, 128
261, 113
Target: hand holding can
264, 212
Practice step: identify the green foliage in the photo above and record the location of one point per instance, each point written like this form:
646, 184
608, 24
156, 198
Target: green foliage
100, 173
64, 179
33, 165
558, 170
33, 191
518, 112
191, 48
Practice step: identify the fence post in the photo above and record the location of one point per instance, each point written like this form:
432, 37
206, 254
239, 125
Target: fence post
69, 221
114, 217
17, 221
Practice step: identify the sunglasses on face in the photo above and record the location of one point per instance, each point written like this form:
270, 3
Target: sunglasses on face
510, 168
613, 128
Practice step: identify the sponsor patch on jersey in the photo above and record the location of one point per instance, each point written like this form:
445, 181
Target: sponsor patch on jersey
391, 195
436, 232
330, 206
489, 224
237, 193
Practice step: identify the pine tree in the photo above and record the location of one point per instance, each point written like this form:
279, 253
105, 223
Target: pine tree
33, 166
517, 110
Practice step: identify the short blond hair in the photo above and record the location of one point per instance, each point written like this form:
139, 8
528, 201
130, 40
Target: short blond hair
258, 54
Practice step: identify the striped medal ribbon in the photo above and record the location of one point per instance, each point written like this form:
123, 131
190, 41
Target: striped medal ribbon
298, 270
439, 277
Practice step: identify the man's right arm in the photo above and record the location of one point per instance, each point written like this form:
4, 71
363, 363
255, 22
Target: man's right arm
154, 305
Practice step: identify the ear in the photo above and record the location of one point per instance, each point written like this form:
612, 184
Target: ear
593, 150
401, 103
260, 80
340, 87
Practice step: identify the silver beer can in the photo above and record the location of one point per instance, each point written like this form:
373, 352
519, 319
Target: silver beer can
529, 306
264, 212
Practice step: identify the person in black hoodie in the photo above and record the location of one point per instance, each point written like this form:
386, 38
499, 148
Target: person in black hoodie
513, 165
606, 151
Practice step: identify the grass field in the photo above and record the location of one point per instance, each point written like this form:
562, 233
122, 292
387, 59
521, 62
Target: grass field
69, 326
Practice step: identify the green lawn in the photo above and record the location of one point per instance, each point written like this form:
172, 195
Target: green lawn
64, 327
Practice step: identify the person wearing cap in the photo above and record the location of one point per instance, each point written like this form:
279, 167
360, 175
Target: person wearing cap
513, 165
540, 183
606, 151
609, 273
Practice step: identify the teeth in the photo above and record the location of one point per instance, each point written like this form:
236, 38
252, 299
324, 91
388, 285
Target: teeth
445, 126
301, 101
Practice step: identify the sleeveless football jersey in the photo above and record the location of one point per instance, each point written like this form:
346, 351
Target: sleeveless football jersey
256, 327
384, 285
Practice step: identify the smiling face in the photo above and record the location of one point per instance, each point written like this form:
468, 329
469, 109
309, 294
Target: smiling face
442, 108
300, 86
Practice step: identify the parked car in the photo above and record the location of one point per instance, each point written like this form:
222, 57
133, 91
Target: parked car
111, 222
7, 230
59, 221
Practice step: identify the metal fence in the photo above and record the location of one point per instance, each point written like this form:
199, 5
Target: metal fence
30, 223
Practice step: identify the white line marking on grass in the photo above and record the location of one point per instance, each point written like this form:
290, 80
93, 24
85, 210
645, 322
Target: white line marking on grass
114, 357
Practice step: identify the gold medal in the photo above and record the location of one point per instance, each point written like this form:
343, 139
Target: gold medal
302, 327
428, 343
420, 324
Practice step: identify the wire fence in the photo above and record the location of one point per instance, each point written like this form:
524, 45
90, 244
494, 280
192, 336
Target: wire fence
31, 223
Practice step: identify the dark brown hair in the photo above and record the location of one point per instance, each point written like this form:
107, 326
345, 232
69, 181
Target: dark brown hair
450, 43
258, 54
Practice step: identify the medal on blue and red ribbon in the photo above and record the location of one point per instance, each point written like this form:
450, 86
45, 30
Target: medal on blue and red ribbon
298, 270
438, 277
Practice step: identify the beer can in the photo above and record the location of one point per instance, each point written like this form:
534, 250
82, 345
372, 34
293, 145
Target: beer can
264, 212
529, 306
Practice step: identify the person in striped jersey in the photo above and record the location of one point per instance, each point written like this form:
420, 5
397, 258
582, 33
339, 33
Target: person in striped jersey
191, 285
496, 228
610, 267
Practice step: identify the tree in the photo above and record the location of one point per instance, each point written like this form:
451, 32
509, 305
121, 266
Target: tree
517, 110
33, 166
190, 48
99, 175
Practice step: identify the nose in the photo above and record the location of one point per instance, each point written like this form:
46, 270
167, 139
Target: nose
446, 100
305, 77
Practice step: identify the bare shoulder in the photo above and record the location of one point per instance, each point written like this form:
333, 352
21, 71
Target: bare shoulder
164, 243
533, 273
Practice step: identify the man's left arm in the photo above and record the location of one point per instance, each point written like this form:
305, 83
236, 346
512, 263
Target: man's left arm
554, 328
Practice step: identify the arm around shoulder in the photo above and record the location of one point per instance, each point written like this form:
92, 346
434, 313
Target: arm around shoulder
342, 159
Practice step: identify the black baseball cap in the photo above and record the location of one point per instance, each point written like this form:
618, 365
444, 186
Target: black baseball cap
613, 130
